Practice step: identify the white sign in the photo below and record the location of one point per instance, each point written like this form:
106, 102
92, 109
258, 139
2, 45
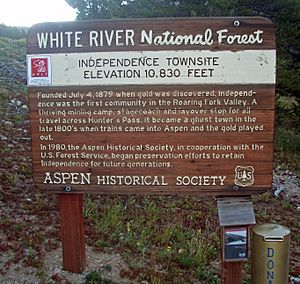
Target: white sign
187, 67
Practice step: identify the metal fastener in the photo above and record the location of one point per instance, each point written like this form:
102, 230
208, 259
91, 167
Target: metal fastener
236, 23
235, 188
68, 188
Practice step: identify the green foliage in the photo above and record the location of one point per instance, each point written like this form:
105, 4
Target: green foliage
12, 49
287, 112
96, 9
89, 207
196, 252
12, 63
146, 228
287, 140
3, 98
12, 32
287, 146
287, 103
95, 277
205, 274
111, 218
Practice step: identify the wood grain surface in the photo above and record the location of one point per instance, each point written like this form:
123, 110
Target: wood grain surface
152, 139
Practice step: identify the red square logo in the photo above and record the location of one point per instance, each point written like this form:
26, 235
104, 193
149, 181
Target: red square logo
39, 67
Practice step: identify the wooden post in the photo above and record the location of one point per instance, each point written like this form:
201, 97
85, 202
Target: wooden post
72, 230
232, 272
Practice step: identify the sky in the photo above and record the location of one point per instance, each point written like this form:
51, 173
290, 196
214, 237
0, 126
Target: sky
29, 12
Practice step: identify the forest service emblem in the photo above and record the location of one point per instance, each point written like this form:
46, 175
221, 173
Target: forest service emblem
244, 176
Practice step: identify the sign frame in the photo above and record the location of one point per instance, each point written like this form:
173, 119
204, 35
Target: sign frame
65, 169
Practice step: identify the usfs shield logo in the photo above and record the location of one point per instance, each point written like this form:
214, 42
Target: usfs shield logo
244, 176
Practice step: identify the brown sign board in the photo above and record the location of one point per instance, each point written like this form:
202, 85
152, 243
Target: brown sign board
155, 106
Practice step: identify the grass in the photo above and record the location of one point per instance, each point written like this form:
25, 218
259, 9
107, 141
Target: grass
161, 243
95, 277
13, 55
11, 48
172, 239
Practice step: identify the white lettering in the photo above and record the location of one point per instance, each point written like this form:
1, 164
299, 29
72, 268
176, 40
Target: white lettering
200, 180
132, 180
67, 178
42, 39
170, 38
113, 37
59, 39
224, 37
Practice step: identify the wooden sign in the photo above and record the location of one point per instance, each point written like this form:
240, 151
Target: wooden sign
156, 106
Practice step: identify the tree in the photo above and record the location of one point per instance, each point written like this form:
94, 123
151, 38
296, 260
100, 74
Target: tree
96, 9
12, 32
